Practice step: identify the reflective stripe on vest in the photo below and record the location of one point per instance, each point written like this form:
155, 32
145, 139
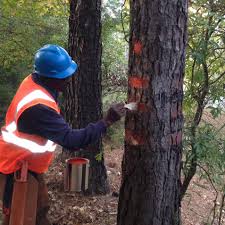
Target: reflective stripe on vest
32, 96
27, 144
9, 134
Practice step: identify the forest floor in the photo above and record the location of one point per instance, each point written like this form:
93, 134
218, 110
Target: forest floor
75, 209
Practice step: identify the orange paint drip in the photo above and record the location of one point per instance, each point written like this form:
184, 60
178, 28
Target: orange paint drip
138, 47
142, 107
173, 111
179, 109
179, 137
138, 82
134, 138
173, 139
176, 138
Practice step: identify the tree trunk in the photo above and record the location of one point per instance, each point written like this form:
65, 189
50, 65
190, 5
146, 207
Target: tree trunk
83, 102
150, 188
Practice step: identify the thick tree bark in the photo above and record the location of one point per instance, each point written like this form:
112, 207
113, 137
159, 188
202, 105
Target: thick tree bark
150, 188
83, 98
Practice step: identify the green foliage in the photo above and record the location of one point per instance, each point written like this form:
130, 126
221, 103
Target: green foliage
114, 66
112, 98
115, 134
115, 49
24, 28
215, 111
210, 149
99, 156
206, 47
204, 139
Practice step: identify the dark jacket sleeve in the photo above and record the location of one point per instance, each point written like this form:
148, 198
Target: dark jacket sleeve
45, 122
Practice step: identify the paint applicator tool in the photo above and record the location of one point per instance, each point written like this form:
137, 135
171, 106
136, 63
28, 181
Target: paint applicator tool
132, 106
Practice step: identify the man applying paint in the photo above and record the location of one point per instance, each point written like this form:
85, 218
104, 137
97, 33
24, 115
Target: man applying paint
33, 126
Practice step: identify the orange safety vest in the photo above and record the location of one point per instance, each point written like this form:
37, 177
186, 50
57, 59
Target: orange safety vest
16, 146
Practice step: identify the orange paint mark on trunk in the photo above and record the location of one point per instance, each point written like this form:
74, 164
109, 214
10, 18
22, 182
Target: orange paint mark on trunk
142, 107
173, 111
138, 82
134, 138
179, 109
138, 47
179, 137
173, 139
176, 138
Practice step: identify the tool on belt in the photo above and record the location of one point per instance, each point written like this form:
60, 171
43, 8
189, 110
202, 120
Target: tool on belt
22, 200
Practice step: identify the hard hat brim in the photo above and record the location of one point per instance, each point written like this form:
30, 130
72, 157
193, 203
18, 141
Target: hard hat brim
68, 72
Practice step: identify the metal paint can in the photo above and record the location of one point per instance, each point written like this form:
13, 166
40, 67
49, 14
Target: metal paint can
76, 174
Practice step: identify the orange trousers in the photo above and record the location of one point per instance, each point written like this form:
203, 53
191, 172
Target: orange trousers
42, 203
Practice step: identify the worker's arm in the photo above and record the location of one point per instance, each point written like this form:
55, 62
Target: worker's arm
45, 122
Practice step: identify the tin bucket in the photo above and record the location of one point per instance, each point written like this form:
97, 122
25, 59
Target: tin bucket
76, 174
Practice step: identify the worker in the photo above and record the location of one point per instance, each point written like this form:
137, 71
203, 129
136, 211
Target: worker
34, 125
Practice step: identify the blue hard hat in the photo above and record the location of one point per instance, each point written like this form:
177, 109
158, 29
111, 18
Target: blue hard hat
53, 61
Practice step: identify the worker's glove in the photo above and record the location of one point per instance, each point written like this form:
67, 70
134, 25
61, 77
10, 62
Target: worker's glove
115, 112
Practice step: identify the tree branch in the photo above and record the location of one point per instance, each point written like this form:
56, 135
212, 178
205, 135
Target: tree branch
208, 175
218, 78
211, 182
192, 75
122, 23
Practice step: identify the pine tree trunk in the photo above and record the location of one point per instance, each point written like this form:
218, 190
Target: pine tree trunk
150, 188
83, 99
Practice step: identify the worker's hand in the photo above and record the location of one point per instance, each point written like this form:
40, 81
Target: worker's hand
115, 112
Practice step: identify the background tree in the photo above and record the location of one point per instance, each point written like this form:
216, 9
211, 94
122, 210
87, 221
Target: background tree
24, 28
150, 188
83, 98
